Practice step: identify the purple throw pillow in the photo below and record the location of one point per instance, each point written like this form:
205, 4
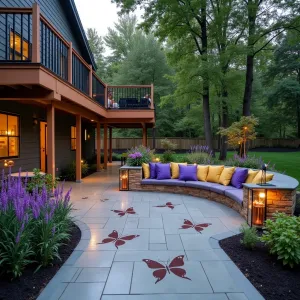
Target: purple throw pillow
239, 177
163, 171
188, 173
153, 173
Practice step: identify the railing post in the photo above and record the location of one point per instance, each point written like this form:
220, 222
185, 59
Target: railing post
91, 82
36, 53
105, 96
70, 60
152, 96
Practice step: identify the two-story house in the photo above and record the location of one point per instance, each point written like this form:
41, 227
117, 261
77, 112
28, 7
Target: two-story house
52, 104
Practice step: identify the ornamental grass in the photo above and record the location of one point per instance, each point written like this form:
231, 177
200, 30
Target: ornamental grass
33, 224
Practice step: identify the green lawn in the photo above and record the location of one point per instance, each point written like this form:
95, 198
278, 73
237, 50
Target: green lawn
288, 162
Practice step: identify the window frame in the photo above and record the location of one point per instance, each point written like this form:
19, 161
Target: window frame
73, 139
13, 136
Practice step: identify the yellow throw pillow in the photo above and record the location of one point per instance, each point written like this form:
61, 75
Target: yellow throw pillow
251, 175
202, 172
226, 175
146, 170
175, 169
214, 173
257, 178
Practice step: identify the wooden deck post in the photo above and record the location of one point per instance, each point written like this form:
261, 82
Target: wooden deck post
105, 146
144, 135
98, 133
110, 144
70, 65
78, 148
51, 140
36, 54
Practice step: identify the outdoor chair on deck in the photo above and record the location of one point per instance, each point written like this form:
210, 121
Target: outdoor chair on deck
132, 103
123, 103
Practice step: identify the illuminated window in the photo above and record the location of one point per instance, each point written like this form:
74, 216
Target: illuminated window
16, 39
9, 136
73, 138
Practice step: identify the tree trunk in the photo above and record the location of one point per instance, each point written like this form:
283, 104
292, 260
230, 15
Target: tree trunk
248, 86
206, 108
252, 8
298, 117
223, 148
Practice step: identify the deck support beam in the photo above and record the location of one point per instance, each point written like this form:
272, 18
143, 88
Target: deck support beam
51, 140
36, 54
110, 144
98, 135
105, 148
78, 148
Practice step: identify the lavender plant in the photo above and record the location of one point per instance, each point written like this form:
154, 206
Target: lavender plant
139, 155
32, 224
200, 155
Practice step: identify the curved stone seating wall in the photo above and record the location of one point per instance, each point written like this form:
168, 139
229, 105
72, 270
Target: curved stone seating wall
281, 197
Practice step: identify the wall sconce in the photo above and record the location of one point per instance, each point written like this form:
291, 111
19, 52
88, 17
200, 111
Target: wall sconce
8, 163
82, 161
124, 180
257, 207
34, 120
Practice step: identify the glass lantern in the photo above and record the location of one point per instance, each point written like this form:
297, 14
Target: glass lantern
257, 207
124, 180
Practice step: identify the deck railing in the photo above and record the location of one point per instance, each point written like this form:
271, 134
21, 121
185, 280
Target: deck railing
54, 50
30, 37
130, 97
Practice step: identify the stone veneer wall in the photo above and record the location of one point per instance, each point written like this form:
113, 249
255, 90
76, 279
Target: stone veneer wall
135, 177
277, 200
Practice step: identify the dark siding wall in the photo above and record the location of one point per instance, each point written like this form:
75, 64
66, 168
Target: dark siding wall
63, 153
30, 137
88, 146
51, 9
29, 134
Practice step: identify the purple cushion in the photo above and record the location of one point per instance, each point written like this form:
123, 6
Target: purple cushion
188, 173
163, 171
153, 173
239, 177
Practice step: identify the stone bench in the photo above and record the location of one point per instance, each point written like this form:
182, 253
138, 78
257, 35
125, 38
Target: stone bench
281, 196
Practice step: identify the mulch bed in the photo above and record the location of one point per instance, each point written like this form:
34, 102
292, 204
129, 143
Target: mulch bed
29, 285
270, 278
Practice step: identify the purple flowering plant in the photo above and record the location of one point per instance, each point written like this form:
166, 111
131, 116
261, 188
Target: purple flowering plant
200, 154
138, 155
32, 224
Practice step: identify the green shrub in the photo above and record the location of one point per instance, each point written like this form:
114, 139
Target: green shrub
69, 173
282, 236
250, 238
139, 155
167, 156
200, 158
39, 181
168, 145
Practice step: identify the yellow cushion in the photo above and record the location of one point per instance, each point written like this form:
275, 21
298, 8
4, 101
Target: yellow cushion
214, 173
251, 175
257, 178
202, 172
146, 170
226, 175
175, 169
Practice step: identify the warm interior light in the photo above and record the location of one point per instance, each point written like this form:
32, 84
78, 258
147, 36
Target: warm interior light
92, 120
262, 195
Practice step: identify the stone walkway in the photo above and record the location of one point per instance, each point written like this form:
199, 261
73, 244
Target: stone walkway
143, 246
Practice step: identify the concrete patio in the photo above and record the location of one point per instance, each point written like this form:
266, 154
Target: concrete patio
153, 251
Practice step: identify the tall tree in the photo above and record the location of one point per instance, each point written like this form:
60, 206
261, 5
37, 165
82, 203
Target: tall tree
97, 47
266, 19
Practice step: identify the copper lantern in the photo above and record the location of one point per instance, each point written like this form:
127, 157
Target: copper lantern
257, 207
124, 180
